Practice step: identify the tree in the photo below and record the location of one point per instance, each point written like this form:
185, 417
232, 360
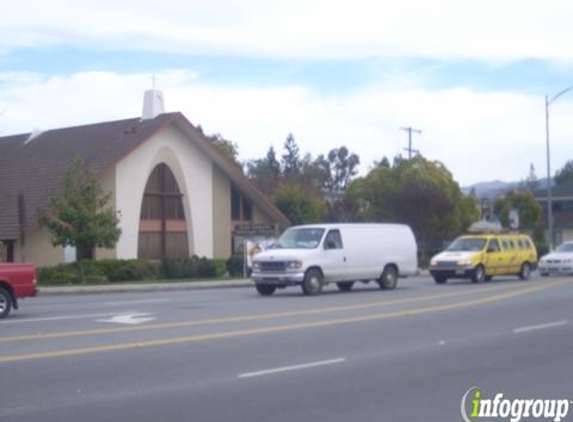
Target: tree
265, 173
530, 183
81, 217
416, 192
397, 160
313, 176
530, 213
300, 207
324, 178
384, 162
272, 163
470, 210
228, 148
339, 167
342, 209
291, 162
564, 176
526, 205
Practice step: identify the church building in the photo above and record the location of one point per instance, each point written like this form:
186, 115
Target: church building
175, 194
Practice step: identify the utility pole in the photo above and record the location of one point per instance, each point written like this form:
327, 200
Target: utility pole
409, 149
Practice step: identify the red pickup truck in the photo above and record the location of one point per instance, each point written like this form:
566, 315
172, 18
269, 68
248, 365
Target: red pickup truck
17, 281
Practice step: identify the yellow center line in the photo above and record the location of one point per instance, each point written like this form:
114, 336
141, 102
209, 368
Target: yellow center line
247, 318
278, 328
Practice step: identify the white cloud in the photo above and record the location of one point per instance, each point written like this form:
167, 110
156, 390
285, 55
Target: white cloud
488, 29
479, 136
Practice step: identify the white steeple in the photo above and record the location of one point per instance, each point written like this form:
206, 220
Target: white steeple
153, 104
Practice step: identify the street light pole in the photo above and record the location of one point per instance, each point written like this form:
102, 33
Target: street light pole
549, 193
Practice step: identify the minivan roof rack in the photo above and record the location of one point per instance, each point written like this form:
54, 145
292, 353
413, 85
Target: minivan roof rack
485, 227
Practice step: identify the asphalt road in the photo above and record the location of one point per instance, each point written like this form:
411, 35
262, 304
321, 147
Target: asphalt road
231, 355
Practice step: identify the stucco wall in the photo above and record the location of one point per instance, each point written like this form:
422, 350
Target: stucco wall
107, 183
193, 172
221, 214
39, 249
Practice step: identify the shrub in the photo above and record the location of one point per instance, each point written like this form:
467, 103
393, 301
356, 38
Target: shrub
235, 265
93, 267
180, 267
220, 267
58, 275
542, 248
133, 270
125, 273
99, 271
114, 270
193, 267
207, 268
96, 279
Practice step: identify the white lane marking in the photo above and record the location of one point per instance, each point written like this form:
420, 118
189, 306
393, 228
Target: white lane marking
540, 327
133, 318
292, 368
58, 318
136, 302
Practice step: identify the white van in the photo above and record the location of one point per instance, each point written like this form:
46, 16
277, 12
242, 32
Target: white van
311, 256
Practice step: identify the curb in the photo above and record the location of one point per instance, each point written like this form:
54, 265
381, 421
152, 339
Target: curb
135, 288
154, 287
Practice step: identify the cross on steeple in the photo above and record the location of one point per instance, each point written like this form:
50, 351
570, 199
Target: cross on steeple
153, 79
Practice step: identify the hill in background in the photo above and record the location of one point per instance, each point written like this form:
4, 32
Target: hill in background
496, 188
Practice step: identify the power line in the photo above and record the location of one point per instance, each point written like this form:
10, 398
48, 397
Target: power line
409, 149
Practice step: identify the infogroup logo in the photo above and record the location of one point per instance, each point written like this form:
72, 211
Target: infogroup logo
475, 407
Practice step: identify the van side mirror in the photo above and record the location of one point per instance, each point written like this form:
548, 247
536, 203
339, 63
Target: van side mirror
330, 245
491, 250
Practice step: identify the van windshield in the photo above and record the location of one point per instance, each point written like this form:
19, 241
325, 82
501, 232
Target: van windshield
467, 244
300, 238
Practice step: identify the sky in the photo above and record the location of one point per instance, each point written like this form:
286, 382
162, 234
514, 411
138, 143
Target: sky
472, 76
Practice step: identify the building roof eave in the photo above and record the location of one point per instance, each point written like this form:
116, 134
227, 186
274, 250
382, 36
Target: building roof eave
231, 170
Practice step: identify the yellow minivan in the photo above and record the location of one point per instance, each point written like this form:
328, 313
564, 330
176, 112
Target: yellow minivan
480, 257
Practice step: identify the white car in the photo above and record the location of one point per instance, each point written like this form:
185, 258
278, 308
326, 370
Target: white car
560, 261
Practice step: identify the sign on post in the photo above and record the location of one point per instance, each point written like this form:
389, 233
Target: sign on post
514, 219
243, 232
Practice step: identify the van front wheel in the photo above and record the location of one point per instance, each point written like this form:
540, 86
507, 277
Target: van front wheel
479, 275
265, 289
389, 278
312, 283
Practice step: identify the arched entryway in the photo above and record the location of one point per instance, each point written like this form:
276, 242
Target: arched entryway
162, 225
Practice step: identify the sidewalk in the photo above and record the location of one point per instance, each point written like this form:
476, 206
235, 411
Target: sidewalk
153, 287
143, 287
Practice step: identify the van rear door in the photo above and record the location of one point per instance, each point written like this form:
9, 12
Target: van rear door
334, 264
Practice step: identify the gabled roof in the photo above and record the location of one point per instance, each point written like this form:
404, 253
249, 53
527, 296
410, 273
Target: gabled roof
33, 165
